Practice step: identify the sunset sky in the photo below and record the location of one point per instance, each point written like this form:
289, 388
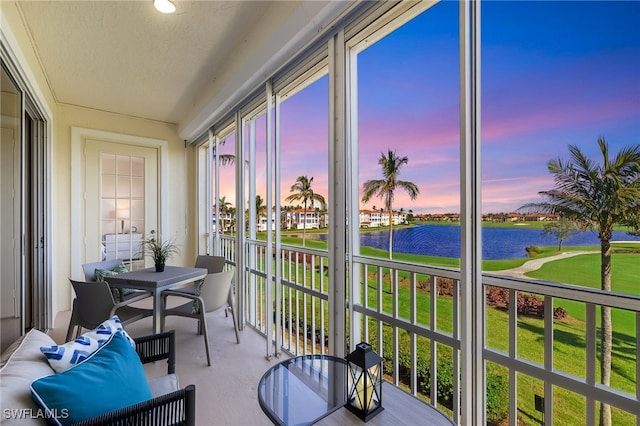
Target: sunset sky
553, 74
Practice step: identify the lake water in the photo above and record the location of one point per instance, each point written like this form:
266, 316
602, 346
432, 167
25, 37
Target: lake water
497, 243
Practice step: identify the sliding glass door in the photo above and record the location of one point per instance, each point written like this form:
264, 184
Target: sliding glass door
24, 287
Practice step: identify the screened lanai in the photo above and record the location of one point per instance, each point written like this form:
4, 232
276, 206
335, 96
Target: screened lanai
439, 83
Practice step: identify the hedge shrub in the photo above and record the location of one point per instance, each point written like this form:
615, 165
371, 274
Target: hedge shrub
497, 385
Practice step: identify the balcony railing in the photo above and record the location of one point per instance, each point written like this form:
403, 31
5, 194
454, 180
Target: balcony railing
546, 369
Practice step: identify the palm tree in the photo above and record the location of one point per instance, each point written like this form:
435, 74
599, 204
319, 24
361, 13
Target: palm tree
225, 159
386, 188
301, 190
597, 196
232, 214
261, 208
223, 208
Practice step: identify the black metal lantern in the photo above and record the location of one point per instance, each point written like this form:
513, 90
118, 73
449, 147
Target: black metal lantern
364, 382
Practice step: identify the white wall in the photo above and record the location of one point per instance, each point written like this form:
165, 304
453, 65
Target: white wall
179, 188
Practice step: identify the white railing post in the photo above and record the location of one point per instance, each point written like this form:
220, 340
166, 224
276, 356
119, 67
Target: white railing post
269, 312
209, 196
278, 243
356, 281
253, 214
472, 290
240, 248
337, 200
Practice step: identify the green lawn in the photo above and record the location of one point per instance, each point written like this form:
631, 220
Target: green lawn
584, 270
569, 335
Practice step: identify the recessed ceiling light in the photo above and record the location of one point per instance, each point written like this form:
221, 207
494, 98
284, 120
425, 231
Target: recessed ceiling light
164, 6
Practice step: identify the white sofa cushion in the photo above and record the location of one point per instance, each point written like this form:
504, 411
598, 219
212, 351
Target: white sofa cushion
163, 385
23, 366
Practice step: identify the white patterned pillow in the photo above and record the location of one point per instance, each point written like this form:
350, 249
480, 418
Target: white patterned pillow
63, 357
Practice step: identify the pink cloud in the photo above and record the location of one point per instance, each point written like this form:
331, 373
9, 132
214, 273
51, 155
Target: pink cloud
513, 123
511, 193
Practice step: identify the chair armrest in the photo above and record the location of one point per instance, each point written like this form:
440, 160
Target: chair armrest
157, 347
167, 293
175, 408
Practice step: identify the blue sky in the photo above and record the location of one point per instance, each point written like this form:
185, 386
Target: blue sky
553, 74
560, 73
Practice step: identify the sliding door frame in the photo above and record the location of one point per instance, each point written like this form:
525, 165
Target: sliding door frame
35, 176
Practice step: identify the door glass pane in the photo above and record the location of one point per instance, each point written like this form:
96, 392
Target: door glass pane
124, 186
137, 166
109, 186
122, 207
9, 211
123, 165
137, 187
108, 164
137, 210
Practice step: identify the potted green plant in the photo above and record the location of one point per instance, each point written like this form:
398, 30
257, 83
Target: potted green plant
159, 251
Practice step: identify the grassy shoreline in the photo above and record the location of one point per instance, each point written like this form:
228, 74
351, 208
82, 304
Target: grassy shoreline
454, 262
529, 225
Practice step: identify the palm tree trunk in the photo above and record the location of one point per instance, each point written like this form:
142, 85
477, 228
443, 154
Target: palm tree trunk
606, 326
390, 235
391, 275
304, 224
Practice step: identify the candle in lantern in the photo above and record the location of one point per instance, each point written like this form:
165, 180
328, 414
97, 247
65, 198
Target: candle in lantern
360, 387
363, 386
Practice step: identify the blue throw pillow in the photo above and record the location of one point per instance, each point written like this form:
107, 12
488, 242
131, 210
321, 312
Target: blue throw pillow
111, 378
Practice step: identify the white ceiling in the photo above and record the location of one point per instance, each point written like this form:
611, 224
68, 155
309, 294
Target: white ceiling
125, 57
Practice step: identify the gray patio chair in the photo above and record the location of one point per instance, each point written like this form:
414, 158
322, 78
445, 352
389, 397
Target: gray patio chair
108, 265
213, 264
94, 304
216, 293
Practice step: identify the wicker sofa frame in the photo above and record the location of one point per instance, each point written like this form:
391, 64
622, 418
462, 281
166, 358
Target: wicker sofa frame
175, 408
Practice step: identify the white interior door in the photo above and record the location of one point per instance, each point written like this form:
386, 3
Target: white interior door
121, 200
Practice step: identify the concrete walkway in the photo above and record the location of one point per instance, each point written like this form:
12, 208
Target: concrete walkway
532, 265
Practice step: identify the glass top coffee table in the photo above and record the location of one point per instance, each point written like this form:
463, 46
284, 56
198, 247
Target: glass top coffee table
310, 389
302, 390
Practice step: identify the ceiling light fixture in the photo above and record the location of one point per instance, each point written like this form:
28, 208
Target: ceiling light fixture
164, 6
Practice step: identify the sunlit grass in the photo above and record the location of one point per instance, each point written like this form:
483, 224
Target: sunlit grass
569, 350
584, 270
